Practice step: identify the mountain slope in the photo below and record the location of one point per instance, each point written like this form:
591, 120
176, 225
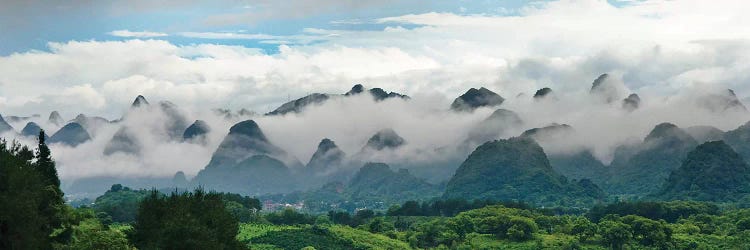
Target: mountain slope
376, 181
196, 132
247, 162
711, 172
298, 105
31, 130
71, 134
514, 169
475, 98
258, 174
245, 139
384, 139
124, 141
578, 164
327, 157
4, 126
739, 139
643, 168
494, 126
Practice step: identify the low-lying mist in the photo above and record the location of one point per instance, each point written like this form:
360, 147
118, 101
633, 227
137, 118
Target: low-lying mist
434, 134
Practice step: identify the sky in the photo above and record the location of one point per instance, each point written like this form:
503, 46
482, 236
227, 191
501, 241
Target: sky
94, 57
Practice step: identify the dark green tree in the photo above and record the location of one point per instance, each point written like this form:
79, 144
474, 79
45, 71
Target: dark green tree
521, 229
30, 197
583, 229
196, 220
649, 232
614, 233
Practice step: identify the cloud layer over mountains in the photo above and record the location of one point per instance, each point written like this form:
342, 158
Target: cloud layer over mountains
431, 131
655, 47
679, 61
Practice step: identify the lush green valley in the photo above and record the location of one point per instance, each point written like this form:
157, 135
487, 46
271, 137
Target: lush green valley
506, 195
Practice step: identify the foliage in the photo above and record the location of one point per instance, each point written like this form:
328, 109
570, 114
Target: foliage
196, 220
90, 233
711, 172
289, 216
515, 169
583, 229
121, 203
449, 207
614, 233
319, 236
668, 211
641, 169
32, 202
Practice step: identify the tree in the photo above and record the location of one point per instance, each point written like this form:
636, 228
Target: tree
289, 216
340, 217
52, 197
378, 225
743, 224
44, 162
196, 220
614, 233
583, 229
649, 232
121, 203
30, 195
521, 229
87, 231
361, 216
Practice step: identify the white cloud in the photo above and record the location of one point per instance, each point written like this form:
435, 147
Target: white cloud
227, 35
666, 51
563, 44
136, 34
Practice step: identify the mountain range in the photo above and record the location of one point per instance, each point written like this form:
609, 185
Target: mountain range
500, 161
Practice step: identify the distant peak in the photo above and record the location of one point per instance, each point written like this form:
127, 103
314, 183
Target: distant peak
475, 98
31, 129
546, 130
373, 167
248, 128
667, 130
139, 101
356, 89
632, 102
326, 144
599, 80
543, 92
54, 115
385, 138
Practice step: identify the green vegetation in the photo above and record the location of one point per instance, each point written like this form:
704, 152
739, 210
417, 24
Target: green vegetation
517, 169
196, 220
711, 172
504, 174
32, 202
319, 236
121, 203
377, 182
92, 232
641, 169
374, 186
